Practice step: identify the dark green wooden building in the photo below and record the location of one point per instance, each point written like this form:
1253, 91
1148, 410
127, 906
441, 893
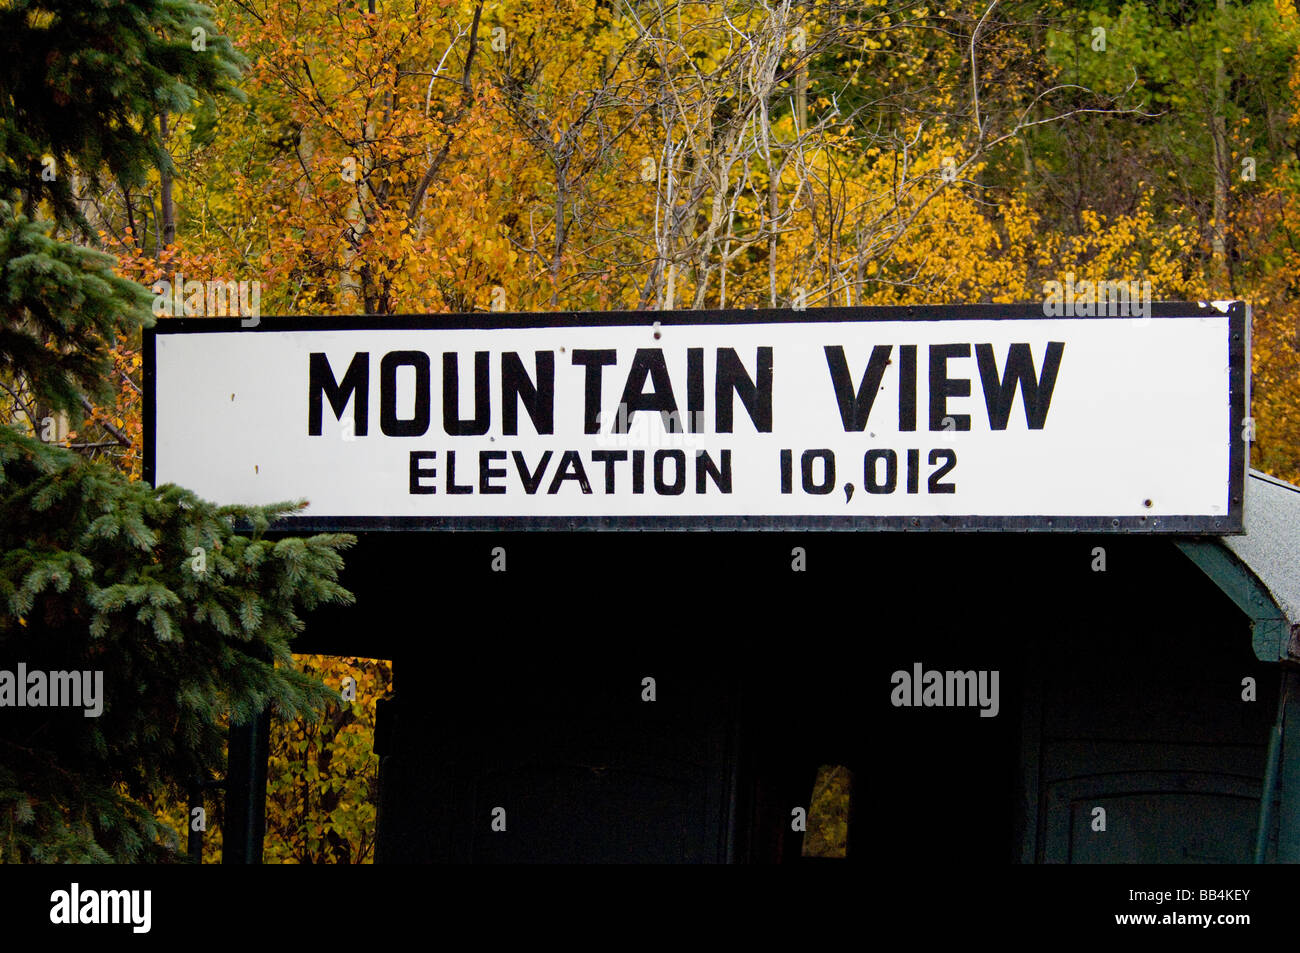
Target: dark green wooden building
1160, 688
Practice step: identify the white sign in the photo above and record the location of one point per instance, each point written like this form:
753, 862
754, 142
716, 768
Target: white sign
978, 417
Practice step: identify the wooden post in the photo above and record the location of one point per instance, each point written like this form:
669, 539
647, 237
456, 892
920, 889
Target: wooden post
246, 791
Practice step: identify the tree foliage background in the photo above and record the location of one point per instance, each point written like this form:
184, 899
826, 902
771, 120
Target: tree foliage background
376, 156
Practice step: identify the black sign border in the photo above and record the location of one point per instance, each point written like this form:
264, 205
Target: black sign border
1229, 524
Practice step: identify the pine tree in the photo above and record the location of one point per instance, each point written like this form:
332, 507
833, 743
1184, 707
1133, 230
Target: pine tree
85, 83
185, 606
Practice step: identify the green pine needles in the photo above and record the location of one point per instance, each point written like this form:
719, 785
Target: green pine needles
189, 620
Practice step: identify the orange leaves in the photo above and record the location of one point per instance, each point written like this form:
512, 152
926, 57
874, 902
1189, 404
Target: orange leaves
375, 181
392, 193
